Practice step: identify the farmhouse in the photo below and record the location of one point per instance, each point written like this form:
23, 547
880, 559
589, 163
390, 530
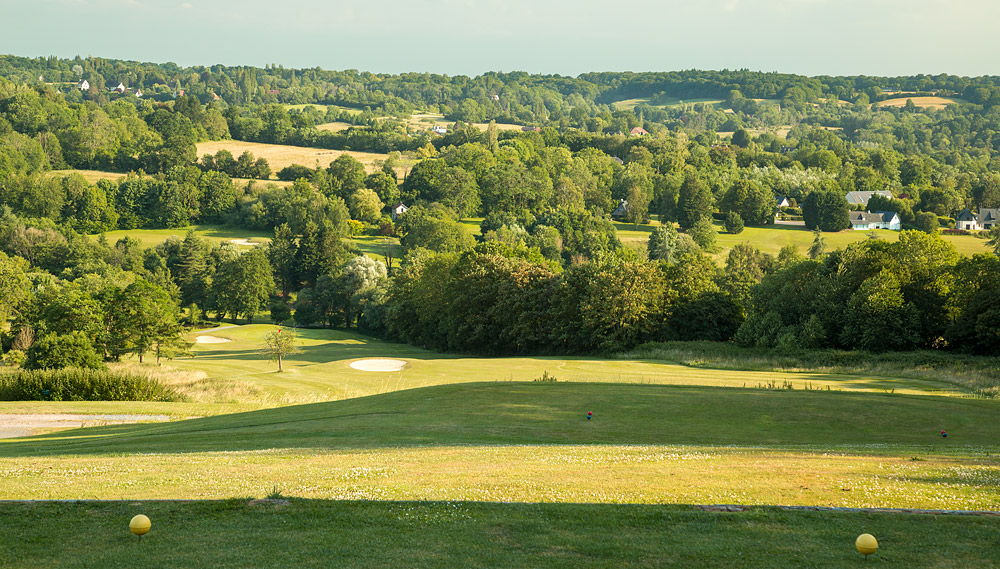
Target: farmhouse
861, 198
83, 85
397, 210
987, 218
865, 220
638, 131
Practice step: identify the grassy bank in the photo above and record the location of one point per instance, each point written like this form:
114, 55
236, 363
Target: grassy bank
978, 374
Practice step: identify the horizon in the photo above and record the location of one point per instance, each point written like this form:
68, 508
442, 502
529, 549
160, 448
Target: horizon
887, 38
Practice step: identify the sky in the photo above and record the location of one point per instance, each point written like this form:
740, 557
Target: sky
469, 37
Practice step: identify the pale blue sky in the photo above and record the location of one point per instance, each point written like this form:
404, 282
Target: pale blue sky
811, 37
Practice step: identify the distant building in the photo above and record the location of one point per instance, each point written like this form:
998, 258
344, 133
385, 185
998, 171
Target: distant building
138, 93
865, 220
531, 128
438, 129
83, 85
397, 210
495, 98
861, 198
987, 218
638, 131
782, 201
120, 88
621, 210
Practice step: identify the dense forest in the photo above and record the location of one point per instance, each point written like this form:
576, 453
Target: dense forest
548, 273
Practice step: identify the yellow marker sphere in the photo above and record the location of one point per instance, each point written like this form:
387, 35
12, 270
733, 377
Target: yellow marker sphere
139, 525
866, 544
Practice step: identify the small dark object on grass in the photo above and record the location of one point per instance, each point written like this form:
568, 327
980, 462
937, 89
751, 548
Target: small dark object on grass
944, 434
589, 414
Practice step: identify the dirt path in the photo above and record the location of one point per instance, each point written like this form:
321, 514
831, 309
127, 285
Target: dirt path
17, 425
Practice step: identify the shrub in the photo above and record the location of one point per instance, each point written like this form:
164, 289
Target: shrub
74, 384
14, 358
734, 223
56, 351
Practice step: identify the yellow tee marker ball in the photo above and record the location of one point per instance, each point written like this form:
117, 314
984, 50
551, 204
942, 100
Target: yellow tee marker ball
139, 525
866, 544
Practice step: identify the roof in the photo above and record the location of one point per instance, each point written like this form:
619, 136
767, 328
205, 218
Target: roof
863, 197
638, 130
859, 217
988, 214
400, 205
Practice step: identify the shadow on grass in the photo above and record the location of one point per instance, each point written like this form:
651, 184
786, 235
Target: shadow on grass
537, 413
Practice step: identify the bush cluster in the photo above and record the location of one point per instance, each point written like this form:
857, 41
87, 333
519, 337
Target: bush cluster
73, 384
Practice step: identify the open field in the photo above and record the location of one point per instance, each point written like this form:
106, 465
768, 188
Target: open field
92, 176
334, 126
771, 238
279, 156
922, 102
212, 233
312, 534
324, 108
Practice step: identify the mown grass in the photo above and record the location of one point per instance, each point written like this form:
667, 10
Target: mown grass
531, 442
322, 371
211, 233
979, 374
321, 534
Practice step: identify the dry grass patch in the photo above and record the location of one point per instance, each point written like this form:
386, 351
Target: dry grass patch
334, 126
922, 102
280, 156
92, 176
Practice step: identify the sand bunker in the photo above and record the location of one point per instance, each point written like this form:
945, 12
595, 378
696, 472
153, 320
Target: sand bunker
244, 242
378, 364
211, 340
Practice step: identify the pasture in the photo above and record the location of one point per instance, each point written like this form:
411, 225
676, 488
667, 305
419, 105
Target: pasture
922, 102
280, 156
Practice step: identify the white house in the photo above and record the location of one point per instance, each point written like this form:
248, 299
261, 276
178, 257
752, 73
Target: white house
782, 201
83, 85
138, 93
987, 218
438, 129
861, 198
120, 88
865, 220
397, 210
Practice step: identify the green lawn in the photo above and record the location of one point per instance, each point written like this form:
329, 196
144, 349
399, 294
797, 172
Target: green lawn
320, 534
771, 238
530, 442
322, 370
212, 233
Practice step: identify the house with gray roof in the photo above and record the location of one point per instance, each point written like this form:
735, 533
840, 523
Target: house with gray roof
987, 218
865, 220
861, 198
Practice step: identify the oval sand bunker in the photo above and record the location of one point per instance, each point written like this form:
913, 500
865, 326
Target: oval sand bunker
211, 340
378, 364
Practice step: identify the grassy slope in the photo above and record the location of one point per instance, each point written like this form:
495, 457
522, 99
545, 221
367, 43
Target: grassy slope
531, 442
322, 371
317, 534
279, 156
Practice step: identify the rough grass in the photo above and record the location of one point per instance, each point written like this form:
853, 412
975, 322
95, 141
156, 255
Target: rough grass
83, 385
977, 374
320, 534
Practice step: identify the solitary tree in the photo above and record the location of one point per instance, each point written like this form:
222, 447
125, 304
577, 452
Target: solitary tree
279, 344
